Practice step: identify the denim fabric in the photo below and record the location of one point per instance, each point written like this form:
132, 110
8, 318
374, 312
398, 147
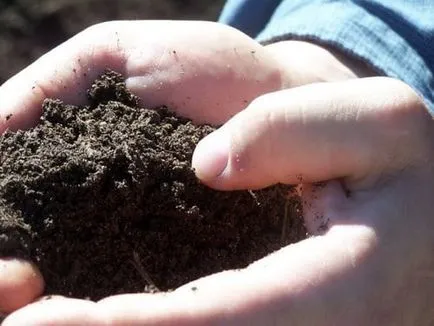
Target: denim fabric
396, 37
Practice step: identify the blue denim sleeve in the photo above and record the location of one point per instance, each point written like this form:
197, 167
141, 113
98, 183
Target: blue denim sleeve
250, 16
396, 37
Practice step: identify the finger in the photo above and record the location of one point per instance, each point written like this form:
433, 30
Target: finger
56, 312
20, 284
205, 71
314, 133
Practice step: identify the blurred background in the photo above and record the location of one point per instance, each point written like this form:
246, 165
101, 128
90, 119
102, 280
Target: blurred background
29, 28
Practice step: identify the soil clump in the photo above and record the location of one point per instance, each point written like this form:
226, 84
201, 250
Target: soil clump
103, 199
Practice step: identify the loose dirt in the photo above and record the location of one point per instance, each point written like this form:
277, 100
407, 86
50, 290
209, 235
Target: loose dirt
103, 199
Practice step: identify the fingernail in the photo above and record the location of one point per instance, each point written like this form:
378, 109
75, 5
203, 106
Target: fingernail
210, 157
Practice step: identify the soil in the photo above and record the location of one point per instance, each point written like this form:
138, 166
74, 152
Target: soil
103, 199
29, 28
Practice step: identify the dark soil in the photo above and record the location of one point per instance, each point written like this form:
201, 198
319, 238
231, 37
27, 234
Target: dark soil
29, 28
104, 200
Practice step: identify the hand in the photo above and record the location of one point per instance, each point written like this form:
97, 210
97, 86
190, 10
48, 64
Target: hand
205, 71
162, 68
165, 63
370, 143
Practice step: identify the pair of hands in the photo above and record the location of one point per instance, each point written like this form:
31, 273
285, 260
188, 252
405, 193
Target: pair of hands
291, 111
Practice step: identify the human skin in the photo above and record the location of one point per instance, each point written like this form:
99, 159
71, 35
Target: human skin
370, 141
164, 63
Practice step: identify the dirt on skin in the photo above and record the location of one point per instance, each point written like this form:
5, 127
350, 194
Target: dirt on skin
104, 200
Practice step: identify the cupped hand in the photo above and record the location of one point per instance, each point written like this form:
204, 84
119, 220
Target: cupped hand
363, 150
364, 153
204, 71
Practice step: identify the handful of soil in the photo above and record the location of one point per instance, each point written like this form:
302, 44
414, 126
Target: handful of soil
103, 199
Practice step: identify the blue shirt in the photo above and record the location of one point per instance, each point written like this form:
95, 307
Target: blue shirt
396, 37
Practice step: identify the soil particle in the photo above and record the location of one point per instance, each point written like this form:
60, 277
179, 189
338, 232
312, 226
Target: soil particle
103, 199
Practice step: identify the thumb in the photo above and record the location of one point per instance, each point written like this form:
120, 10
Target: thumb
314, 133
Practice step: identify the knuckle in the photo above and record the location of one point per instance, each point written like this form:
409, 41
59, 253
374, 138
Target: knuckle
415, 119
409, 97
407, 105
